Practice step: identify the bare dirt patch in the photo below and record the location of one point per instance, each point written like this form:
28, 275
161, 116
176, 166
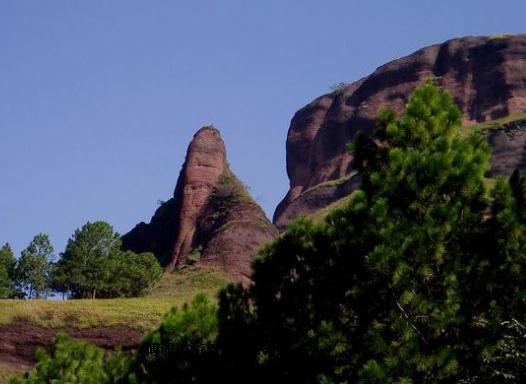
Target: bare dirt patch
19, 340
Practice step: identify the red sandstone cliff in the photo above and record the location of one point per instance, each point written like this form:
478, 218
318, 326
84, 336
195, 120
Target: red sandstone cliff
486, 75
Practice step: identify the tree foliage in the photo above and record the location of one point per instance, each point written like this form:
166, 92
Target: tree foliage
34, 267
182, 349
130, 274
412, 281
7, 271
75, 362
506, 361
420, 278
93, 264
83, 267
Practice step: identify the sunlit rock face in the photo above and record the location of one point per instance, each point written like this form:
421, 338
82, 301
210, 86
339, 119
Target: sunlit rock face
210, 219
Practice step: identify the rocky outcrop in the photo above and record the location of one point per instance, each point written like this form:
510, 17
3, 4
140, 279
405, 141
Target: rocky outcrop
508, 145
486, 76
318, 197
231, 229
205, 163
210, 219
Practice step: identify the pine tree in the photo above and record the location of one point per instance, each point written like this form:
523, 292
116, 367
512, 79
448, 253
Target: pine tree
419, 278
75, 362
7, 271
34, 266
83, 267
93, 265
410, 282
182, 349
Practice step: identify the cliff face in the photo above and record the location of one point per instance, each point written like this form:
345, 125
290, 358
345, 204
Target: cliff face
486, 76
231, 228
205, 162
210, 219
508, 144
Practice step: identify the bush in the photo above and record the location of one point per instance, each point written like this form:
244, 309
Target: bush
7, 272
182, 349
75, 362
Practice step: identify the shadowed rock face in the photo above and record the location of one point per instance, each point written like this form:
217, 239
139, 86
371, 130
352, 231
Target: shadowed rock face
210, 215
232, 228
486, 76
508, 148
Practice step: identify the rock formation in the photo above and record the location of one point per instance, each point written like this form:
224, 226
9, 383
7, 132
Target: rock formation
486, 76
210, 219
508, 145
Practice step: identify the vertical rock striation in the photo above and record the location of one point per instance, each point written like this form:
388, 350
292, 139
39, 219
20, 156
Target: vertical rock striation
205, 163
210, 219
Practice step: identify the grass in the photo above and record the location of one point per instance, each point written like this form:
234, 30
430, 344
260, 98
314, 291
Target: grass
184, 284
331, 183
498, 36
230, 189
324, 212
498, 123
7, 371
142, 313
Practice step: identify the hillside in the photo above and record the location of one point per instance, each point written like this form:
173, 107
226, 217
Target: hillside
110, 323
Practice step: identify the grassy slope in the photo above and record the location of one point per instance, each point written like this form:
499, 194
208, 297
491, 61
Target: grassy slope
498, 123
142, 313
7, 371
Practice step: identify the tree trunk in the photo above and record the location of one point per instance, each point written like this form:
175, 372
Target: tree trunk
93, 297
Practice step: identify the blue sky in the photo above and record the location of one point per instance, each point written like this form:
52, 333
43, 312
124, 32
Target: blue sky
99, 99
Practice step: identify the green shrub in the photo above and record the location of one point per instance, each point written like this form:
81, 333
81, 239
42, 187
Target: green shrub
182, 349
75, 362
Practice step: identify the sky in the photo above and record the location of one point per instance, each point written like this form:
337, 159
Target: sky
99, 99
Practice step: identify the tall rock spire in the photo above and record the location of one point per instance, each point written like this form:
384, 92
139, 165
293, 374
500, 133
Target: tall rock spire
210, 215
205, 163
